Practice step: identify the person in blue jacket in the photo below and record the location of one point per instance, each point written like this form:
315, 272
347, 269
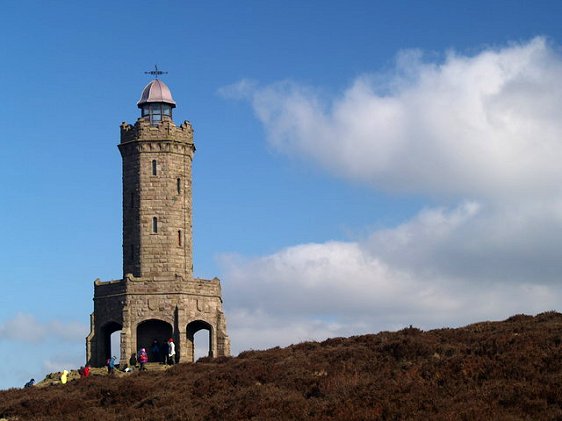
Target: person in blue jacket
111, 365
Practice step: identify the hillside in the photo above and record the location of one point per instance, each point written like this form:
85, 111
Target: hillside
506, 370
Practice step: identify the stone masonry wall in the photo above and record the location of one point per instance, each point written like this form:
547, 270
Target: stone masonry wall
164, 193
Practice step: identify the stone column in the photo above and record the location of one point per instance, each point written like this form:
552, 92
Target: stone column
126, 348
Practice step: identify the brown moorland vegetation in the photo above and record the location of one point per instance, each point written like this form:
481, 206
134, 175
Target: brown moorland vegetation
508, 370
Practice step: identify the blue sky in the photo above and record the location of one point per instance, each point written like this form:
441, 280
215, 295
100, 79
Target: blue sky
360, 165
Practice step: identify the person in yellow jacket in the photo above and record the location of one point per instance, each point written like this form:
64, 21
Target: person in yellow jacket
64, 377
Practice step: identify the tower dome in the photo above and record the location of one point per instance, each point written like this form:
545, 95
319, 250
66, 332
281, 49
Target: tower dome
156, 91
156, 102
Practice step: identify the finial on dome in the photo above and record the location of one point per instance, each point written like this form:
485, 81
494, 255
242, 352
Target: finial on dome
155, 72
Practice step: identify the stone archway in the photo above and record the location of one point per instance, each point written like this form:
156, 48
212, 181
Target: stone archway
152, 330
194, 327
106, 331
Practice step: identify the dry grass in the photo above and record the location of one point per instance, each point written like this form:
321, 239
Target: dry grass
509, 370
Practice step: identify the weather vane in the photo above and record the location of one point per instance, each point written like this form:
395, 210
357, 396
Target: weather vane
155, 72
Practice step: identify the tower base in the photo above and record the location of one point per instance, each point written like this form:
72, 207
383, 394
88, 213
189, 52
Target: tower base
149, 310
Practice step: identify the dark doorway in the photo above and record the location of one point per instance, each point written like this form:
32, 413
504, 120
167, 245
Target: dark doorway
150, 331
205, 344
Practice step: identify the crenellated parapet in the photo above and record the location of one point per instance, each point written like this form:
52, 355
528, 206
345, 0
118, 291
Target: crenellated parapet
166, 130
209, 287
108, 288
196, 287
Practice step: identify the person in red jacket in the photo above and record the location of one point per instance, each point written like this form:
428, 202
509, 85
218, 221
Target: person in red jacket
84, 371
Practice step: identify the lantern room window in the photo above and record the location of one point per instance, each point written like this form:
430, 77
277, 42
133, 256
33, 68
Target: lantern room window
155, 110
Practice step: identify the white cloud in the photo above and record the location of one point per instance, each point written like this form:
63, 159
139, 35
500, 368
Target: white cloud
513, 242
26, 328
256, 329
23, 327
418, 273
480, 126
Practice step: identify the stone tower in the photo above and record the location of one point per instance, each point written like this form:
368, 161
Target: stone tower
158, 298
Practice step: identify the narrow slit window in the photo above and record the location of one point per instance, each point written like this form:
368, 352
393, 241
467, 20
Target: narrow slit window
178, 185
179, 238
154, 225
153, 167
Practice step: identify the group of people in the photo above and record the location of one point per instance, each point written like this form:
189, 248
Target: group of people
165, 353
84, 371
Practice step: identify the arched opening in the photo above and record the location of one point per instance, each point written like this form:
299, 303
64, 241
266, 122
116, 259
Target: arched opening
201, 343
153, 335
115, 341
111, 339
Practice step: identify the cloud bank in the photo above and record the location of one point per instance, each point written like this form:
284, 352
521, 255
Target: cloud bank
481, 133
486, 125
26, 328
442, 268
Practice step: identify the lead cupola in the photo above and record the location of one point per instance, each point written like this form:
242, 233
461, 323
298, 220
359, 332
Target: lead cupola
156, 102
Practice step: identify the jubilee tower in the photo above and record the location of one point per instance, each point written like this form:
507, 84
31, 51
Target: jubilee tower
158, 298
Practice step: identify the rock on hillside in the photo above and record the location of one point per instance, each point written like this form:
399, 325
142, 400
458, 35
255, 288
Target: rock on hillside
506, 370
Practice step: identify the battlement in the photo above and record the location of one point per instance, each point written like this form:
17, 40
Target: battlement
142, 130
108, 288
133, 285
200, 287
211, 286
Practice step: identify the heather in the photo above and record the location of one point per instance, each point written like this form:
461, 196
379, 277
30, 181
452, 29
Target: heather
509, 370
